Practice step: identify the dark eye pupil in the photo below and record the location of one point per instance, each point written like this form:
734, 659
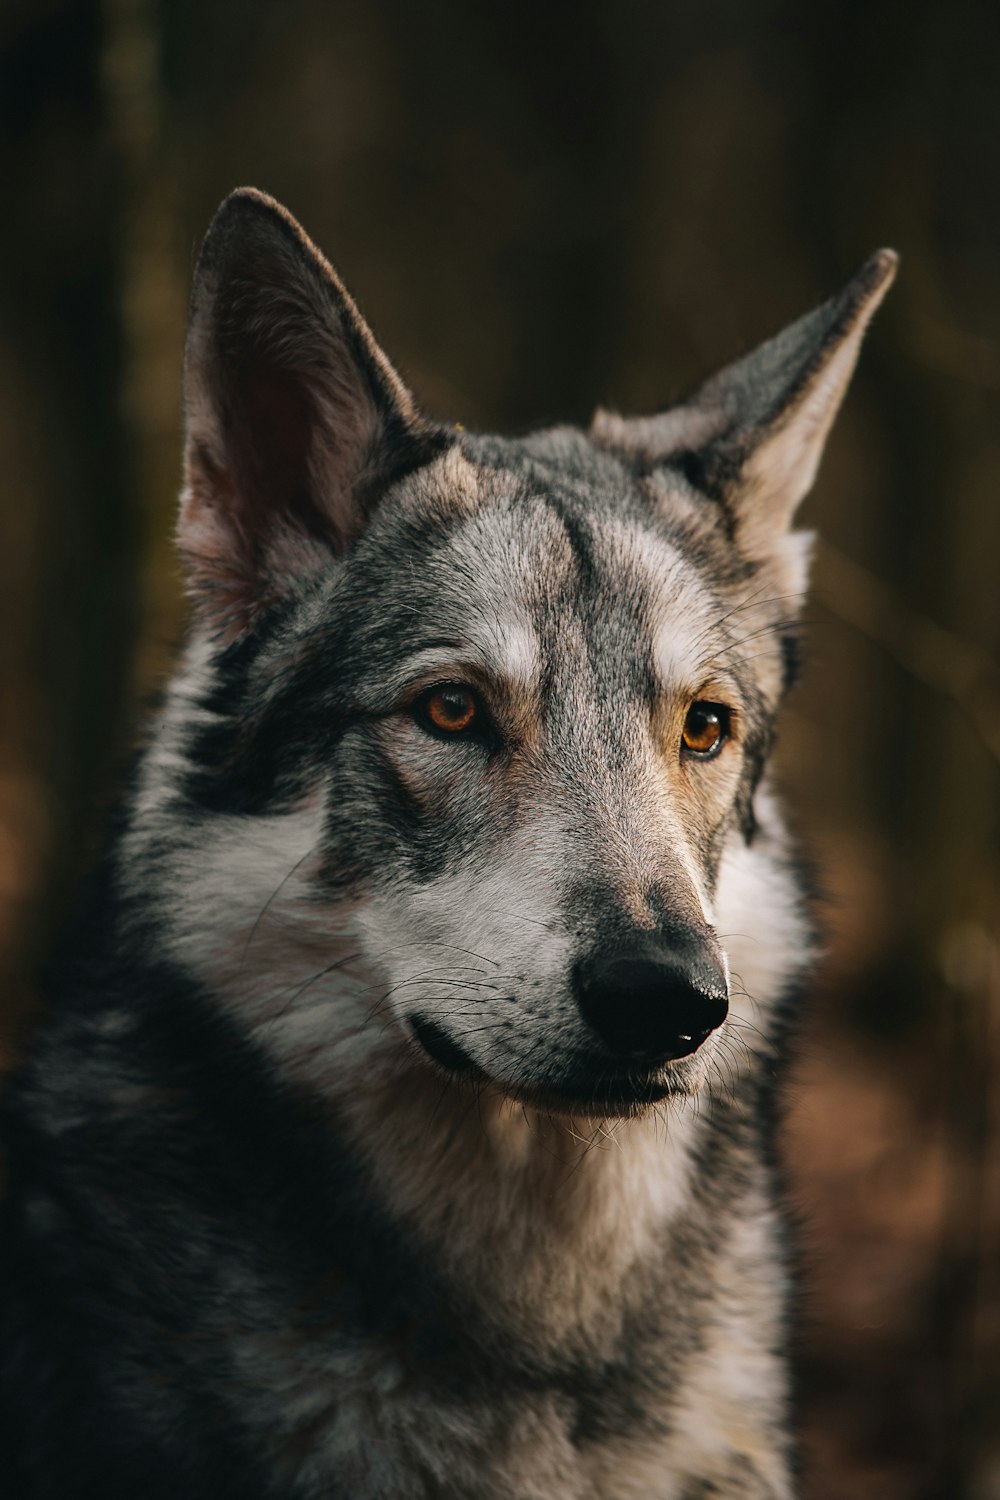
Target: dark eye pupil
453, 705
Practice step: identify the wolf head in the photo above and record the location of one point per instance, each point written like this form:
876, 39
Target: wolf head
463, 770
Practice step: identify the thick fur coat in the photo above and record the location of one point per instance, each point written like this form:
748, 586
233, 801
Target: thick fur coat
402, 1127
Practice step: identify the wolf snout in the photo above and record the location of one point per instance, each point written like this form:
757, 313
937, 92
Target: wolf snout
653, 1003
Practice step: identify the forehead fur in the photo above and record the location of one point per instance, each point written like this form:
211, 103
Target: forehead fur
524, 551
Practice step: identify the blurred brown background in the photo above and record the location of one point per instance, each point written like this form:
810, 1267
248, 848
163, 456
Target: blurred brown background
539, 207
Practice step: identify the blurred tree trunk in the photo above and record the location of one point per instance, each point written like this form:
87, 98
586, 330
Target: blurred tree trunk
67, 566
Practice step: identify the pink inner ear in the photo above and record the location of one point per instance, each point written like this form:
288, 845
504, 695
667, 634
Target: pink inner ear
249, 495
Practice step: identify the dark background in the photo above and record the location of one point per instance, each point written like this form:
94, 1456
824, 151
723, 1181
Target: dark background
540, 207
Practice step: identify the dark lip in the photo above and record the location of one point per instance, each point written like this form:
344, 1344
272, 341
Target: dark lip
444, 1050
607, 1094
614, 1097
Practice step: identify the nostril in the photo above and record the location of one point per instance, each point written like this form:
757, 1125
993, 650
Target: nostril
655, 1007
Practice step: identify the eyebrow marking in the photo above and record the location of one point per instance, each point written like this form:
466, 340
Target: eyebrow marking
511, 652
677, 659
677, 604
521, 652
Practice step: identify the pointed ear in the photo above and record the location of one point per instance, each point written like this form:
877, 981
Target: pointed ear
752, 436
295, 418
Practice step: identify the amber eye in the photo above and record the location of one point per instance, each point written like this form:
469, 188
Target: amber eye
449, 709
706, 730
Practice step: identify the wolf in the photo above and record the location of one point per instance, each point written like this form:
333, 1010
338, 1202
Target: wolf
403, 1124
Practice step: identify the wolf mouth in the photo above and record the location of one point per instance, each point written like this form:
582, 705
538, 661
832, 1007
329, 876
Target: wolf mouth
593, 1089
440, 1048
606, 1094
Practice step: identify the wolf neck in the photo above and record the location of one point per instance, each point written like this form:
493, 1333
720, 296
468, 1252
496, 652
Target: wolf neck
547, 1216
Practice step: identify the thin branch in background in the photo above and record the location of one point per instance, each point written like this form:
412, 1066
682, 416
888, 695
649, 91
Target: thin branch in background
955, 352
943, 661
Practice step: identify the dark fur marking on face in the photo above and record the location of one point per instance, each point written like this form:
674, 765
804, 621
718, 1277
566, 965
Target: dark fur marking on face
251, 758
713, 476
791, 658
579, 537
756, 749
443, 1049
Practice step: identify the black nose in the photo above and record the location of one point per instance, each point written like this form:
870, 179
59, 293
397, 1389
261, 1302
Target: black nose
653, 1003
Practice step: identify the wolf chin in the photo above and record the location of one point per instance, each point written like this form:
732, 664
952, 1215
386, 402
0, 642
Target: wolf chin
402, 1126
